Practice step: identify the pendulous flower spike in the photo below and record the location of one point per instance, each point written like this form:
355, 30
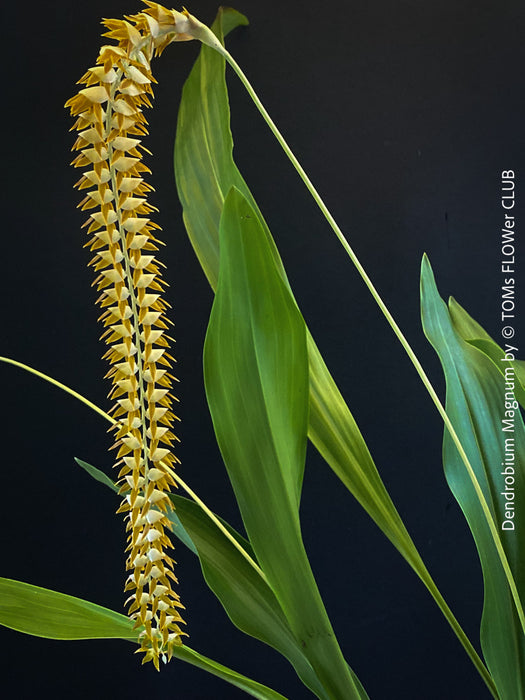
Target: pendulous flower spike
110, 125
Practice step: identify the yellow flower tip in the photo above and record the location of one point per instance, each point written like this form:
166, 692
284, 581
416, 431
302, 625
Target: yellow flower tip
159, 646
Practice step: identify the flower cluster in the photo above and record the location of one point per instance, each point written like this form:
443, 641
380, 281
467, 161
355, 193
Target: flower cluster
110, 124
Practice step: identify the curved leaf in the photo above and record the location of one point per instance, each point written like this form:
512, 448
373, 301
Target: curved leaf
246, 597
44, 613
256, 690
474, 334
476, 405
204, 167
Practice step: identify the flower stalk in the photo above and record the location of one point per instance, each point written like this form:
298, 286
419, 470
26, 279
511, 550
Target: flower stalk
111, 125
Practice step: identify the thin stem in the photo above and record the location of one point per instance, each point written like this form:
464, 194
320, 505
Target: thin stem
218, 523
391, 321
182, 483
460, 634
59, 385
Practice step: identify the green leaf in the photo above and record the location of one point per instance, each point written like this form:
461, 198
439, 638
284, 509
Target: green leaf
44, 613
205, 171
256, 690
98, 475
256, 378
476, 407
474, 334
203, 149
246, 597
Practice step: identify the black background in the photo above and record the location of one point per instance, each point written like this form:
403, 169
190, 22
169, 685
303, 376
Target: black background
404, 114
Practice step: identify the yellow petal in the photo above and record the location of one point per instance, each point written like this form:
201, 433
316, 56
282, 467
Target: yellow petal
148, 300
144, 280
138, 242
121, 330
154, 554
122, 107
91, 136
94, 156
157, 496
126, 368
152, 517
156, 432
151, 318
132, 203
154, 355
128, 385
97, 94
125, 163
112, 275
98, 178
135, 224
129, 405
156, 395
143, 261
132, 442
129, 184
102, 76
99, 199
134, 74
122, 143
159, 454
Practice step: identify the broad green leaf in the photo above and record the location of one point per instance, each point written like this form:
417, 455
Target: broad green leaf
205, 171
476, 407
474, 334
256, 378
44, 613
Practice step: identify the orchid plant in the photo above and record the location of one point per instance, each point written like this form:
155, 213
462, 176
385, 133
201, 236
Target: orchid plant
268, 390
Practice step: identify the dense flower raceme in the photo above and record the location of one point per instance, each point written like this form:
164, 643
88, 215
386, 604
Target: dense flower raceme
111, 123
